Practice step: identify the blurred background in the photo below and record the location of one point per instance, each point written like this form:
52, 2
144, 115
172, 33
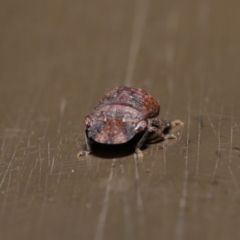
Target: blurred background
58, 58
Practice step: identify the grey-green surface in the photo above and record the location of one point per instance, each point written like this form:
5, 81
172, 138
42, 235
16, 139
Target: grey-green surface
57, 59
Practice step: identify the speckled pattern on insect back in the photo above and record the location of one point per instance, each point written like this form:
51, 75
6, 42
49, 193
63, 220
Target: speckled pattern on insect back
135, 98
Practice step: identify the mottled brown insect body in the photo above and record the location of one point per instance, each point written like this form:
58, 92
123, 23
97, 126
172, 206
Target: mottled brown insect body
121, 114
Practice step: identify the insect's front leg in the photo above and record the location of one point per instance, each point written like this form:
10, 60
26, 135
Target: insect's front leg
88, 147
141, 126
140, 144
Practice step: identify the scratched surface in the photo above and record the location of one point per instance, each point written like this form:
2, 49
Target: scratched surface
57, 59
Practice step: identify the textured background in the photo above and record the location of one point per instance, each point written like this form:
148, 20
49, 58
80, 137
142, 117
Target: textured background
58, 58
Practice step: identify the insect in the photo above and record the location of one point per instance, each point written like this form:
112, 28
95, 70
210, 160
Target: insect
123, 113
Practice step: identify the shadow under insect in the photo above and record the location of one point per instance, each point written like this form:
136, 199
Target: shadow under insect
124, 149
115, 150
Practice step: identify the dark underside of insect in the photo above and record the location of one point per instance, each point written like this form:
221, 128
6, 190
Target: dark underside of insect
122, 114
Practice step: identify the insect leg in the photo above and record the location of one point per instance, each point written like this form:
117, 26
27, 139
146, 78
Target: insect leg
88, 147
164, 123
160, 133
140, 143
87, 141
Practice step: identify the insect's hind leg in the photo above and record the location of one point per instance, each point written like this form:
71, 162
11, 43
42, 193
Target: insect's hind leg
163, 128
164, 124
158, 126
160, 134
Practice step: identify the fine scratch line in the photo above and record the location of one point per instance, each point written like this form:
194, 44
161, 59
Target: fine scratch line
230, 159
141, 220
182, 203
218, 150
62, 108
138, 28
125, 203
103, 214
197, 165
